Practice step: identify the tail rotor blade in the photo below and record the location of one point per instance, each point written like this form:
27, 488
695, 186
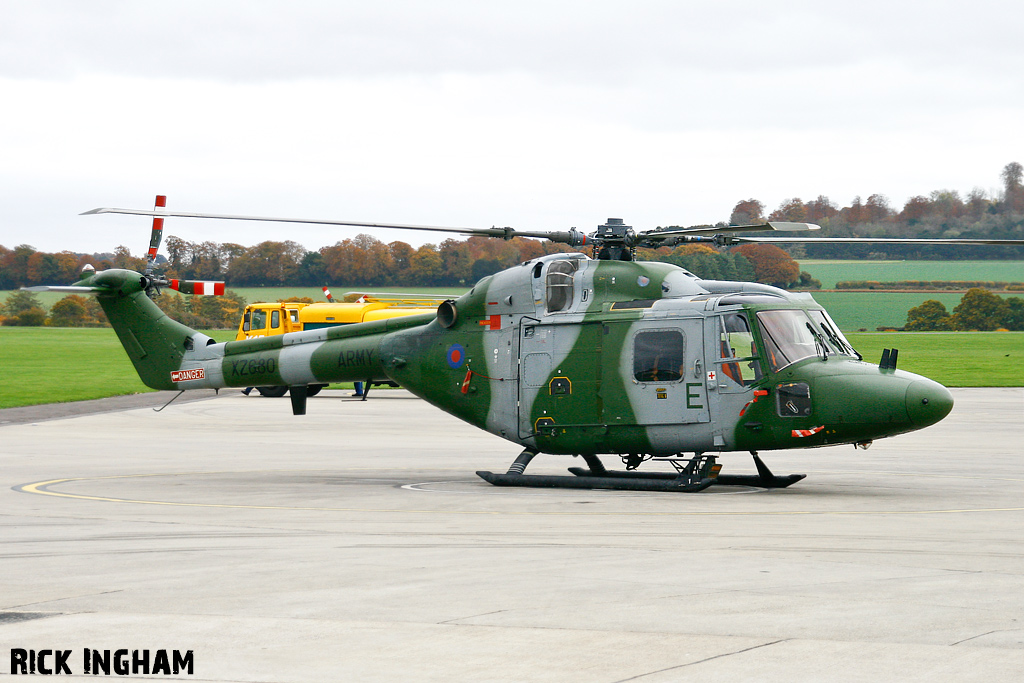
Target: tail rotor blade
327, 293
197, 287
157, 235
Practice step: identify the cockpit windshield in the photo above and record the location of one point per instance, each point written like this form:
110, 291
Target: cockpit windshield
831, 332
792, 335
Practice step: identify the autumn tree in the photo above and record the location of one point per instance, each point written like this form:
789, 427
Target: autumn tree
456, 262
877, 209
73, 311
821, 209
401, 253
854, 213
15, 265
123, 259
425, 265
792, 210
203, 312
44, 268
915, 210
747, 212
771, 265
267, 263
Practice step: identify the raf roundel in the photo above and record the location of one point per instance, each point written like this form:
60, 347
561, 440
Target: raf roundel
456, 355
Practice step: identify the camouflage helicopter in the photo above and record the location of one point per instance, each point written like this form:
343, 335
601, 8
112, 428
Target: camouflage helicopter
576, 355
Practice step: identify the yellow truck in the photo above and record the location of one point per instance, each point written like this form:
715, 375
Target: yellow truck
267, 319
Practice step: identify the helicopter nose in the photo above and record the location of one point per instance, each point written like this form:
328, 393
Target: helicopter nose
927, 402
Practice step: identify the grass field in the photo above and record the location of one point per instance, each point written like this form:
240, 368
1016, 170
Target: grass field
831, 272
855, 311
50, 365
955, 359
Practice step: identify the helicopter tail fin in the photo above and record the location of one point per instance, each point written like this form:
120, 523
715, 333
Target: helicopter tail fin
154, 343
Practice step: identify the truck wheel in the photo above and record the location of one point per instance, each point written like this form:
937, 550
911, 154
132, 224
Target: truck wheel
272, 392
314, 389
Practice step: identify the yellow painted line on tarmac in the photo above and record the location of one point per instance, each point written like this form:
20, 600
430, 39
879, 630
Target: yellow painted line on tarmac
43, 488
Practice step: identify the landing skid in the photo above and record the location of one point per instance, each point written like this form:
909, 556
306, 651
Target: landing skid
697, 474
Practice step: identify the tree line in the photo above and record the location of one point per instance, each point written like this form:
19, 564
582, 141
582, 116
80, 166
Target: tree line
979, 310
941, 214
365, 261
24, 309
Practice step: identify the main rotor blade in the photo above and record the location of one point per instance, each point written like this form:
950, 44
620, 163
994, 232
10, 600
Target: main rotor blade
506, 233
67, 289
778, 226
873, 240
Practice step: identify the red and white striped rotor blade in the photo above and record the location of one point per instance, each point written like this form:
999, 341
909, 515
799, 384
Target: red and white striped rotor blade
327, 293
157, 235
197, 287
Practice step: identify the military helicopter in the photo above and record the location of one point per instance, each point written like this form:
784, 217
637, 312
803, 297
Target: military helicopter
584, 356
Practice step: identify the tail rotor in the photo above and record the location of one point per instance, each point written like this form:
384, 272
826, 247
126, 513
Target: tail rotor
155, 282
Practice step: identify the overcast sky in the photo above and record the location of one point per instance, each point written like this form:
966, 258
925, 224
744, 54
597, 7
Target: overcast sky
537, 115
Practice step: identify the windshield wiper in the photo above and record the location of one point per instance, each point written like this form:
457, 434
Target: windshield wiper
838, 341
819, 343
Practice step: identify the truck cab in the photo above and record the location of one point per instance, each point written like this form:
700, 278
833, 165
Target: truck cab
267, 319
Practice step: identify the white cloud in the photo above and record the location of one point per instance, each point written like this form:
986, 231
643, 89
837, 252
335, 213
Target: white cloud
536, 115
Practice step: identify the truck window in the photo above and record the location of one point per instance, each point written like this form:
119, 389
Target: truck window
259, 319
275, 319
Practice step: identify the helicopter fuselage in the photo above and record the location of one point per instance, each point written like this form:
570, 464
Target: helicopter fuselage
569, 355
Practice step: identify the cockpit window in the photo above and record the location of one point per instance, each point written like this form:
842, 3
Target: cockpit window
787, 337
790, 336
830, 331
737, 350
559, 284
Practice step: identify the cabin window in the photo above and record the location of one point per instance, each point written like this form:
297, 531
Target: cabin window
559, 285
275, 319
737, 350
259, 319
659, 356
293, 315
794, 399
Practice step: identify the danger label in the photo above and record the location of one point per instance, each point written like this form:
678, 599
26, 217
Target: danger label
186, 375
